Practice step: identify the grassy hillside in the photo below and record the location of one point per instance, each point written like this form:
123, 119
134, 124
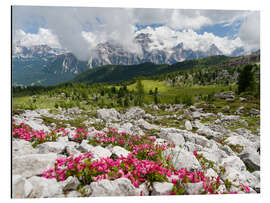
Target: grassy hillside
121, 73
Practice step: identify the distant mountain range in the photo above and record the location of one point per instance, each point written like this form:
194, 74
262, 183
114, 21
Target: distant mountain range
121, 73
43, 65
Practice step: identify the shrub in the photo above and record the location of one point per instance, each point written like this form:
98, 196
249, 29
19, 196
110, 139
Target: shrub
246, 80
188, 100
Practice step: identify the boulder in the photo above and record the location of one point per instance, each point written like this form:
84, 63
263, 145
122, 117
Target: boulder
242, 141
118, 187
194, 188
163, 188
191, 147
230, 118
240, 110
100, 152
45, 188
144, 124
71, 183
71, 149
196, 115
242, 99
188, 125
199, 140
126, 127
172, 135
182, 159
22, 147
252, 160
143, 190
235, 172
192, 108
74, 194
32, 164
225, 95
207, 115
74, 110
254, 112
85, 147
256, 174
86, 190
134, 113
54, 147
149, 117
204, 130
21, 187
211, 173
62, 139
108, 115
233, 162
214, 155
32, 119
118, 151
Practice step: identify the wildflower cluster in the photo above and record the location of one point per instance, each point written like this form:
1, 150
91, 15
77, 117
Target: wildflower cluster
87, 171
142, 147
145, 163
80, 135
25, 132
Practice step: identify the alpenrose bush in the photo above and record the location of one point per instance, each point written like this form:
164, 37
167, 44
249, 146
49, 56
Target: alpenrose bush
142, 147
80, 134
25, 132
144, 163
138, 171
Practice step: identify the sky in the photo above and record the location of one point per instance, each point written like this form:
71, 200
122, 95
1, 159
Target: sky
80, 29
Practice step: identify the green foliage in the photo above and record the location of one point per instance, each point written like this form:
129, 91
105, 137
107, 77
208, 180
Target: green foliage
188, 99
140, 92
246, 80
236, 148
126, 101
156, 100
177, 100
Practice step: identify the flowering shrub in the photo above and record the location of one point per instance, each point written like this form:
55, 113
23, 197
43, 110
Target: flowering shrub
142, 147
80, 135
25, 132
145, 163
87, 171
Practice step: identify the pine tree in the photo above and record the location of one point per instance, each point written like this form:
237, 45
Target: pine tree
140, 92
156, 99
246, 80
126, 101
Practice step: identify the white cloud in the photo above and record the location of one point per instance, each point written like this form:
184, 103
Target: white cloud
81, 29
250, 31
43, 36
166, 38
189, 19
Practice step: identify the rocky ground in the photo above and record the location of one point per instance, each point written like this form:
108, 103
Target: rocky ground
195, 152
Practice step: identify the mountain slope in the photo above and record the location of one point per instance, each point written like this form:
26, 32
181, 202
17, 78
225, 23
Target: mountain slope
42, 65
120, 73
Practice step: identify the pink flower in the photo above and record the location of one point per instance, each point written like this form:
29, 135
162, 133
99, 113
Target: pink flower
174, 181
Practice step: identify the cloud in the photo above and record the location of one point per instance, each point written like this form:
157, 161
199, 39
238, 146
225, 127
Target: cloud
166, 38
44, 36
249, 31
81, 29
188, 19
